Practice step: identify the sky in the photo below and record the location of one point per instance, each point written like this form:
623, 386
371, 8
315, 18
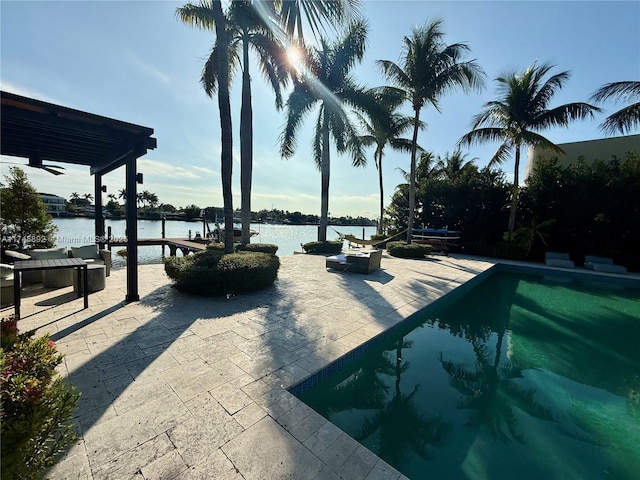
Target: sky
136, 62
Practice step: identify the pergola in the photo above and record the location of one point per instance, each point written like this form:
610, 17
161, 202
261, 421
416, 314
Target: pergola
40, 131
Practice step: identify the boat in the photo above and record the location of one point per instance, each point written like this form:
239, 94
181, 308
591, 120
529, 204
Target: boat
441, 239
217, 234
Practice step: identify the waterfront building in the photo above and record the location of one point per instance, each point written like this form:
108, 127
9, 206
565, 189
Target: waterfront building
56, 206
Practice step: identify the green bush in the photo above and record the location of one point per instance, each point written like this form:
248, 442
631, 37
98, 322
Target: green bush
402, 250
36, 404
212, 273
259, 247
329, 246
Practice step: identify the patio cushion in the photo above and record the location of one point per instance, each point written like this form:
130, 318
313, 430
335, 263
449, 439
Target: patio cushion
86, 252
47, 253
13, 255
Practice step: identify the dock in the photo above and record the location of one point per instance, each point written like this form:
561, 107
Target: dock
174, 244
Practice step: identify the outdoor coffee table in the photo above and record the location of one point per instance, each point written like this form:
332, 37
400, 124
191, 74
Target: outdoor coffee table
28, 265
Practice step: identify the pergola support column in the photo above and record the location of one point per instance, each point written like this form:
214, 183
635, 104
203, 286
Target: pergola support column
132, 230
99, 217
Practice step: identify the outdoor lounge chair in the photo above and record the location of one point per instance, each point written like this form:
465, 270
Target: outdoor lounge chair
554, 259
363, 262
93, 256
602, 264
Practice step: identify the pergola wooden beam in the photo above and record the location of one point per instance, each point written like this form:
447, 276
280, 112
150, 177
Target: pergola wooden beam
38, 131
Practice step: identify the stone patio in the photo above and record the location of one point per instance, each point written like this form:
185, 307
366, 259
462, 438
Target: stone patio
183, 387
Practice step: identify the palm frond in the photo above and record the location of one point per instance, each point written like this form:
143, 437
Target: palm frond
299, 104
562, 115
501, 155
624, 91
199, 16
622, 121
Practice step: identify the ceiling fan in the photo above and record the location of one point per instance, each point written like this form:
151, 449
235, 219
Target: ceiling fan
35, 161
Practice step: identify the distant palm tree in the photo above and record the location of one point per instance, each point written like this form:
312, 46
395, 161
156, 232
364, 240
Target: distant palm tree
429, 68
112, 197
326, 83
385, 130
626, 119
88, 197
122, 193
453, 164
521, 110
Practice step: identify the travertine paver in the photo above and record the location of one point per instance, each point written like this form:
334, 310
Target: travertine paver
186, 387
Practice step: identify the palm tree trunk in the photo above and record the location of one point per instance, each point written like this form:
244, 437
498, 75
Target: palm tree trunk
381, 223
514, 192
225, 122
325, 170
246, 146
412, 176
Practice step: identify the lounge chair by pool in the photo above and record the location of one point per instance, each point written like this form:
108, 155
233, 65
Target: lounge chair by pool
602, 264
555, 259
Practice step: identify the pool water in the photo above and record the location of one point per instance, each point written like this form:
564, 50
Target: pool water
521, 376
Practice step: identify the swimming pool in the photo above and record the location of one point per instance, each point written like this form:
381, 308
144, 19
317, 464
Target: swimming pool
520, 376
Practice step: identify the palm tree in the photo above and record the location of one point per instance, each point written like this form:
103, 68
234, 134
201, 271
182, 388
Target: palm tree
625, 119
122, 193
429, 68
453, 164
248, 28
383, 130
208, 14
88, 197
327, 84
112, 197
521, 110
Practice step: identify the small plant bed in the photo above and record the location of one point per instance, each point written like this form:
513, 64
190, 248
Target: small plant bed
328, 246
404, 250
214, 273
37, 404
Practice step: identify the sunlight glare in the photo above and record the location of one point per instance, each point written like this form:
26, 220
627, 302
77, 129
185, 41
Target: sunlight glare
294, 57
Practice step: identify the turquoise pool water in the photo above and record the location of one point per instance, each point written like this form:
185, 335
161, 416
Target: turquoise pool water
521, 376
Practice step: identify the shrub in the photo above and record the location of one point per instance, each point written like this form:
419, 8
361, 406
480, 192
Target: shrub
36, 404
212, 273
402, 250
259, 247
328, 246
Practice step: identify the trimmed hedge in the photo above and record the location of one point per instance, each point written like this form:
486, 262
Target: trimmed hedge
329, 246
212, 273
259, 247
402, 250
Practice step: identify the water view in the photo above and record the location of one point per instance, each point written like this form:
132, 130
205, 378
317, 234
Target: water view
74, 232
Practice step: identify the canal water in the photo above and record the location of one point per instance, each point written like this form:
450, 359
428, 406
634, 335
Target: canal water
78, 231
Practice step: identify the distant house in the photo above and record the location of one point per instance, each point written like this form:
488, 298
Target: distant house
56, 206
590, 150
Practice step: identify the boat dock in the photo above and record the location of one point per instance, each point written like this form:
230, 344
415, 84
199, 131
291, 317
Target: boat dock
174, 244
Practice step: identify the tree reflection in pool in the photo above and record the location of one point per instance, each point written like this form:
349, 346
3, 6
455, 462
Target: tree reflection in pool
522, 376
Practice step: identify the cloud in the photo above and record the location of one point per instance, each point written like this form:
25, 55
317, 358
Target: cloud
147, 68
155, 168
